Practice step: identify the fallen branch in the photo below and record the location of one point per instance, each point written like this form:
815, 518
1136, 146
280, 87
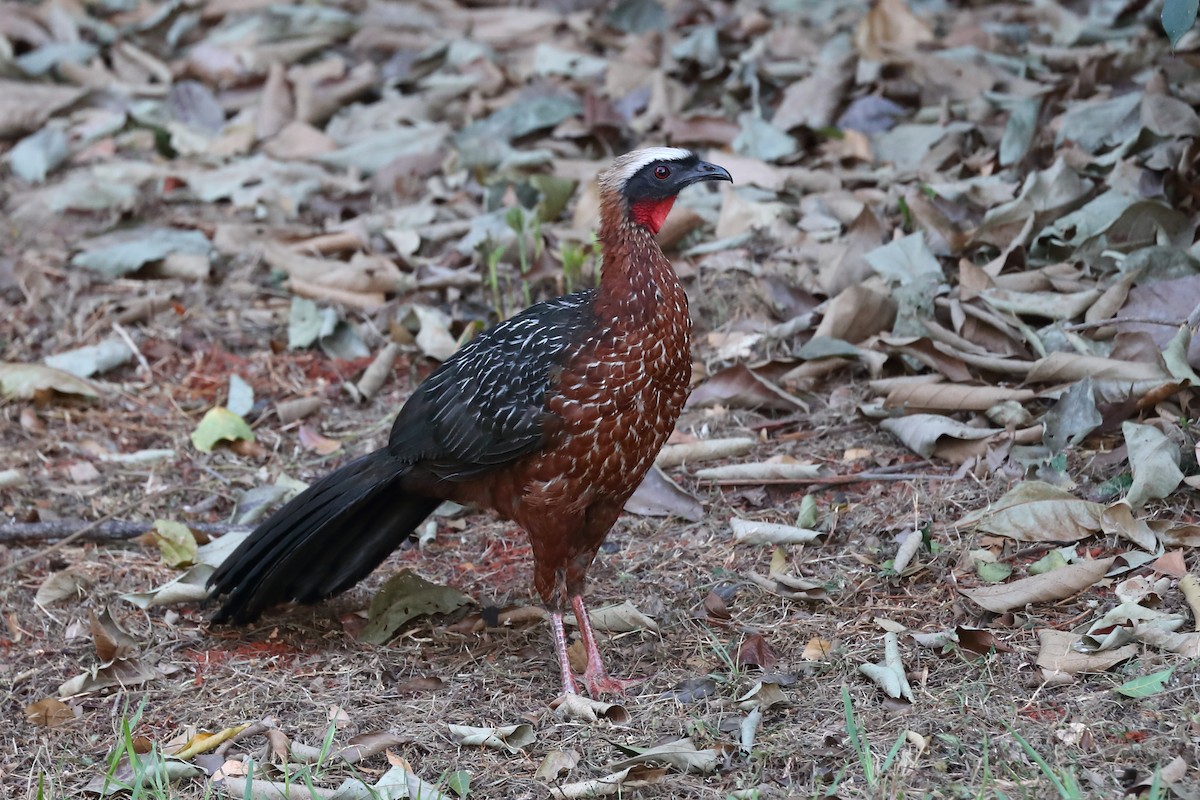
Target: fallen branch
835, 480
106, 531
1104, 323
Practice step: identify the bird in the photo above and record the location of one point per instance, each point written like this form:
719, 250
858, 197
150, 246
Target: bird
550, 418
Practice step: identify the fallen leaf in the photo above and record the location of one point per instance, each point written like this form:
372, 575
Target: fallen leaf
1058, 654
1033, 511
817, 649
621, 618
176, 543
117, 254
220, 425
585, 709
618, 783
110, 640
692, 690
659, 496
681, 754
311, 440
890, 674
1154, 460
49, 712
753, 651
1057, 585
507, 737
1145, 685
122, 672
748, 531
70, 582
27, 381
674, 455
556, 764
404, 597
739, 387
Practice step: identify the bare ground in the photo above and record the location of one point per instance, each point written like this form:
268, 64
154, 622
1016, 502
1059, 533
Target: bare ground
295, 665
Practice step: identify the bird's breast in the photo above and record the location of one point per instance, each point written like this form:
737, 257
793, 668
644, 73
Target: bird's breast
618, 397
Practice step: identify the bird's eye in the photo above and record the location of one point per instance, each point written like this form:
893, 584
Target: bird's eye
661, 172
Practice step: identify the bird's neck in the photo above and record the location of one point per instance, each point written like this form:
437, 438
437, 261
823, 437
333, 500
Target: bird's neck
636, 279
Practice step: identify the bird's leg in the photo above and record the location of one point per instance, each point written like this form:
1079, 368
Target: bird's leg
595, 676
560, 649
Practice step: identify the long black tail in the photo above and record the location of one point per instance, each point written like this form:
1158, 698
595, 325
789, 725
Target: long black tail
324, 541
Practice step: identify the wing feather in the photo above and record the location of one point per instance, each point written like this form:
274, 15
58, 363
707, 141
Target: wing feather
485, 406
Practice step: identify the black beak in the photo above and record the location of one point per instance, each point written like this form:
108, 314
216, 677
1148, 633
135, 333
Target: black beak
702, 171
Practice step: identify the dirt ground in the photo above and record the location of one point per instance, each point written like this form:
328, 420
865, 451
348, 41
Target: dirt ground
294, 666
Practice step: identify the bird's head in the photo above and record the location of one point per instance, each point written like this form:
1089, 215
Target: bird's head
643, 184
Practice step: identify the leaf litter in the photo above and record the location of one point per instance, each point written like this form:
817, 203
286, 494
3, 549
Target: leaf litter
963, 255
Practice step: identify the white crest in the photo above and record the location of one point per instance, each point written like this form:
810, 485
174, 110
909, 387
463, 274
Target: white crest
626, 166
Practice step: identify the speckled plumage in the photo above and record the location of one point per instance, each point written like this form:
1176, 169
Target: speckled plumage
551, 418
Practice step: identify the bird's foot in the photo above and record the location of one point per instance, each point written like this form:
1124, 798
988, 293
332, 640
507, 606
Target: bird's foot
572, 706
599, 683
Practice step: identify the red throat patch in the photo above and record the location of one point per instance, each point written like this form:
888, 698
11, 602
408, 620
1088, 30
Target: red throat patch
651, 213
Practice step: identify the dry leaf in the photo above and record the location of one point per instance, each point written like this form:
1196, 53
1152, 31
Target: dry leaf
748, 531
740, 387
755, 652
1058, 654
1054, 585
49, 712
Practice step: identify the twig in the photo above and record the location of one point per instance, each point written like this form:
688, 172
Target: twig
836, 480
1104, 323
124, 334
105, 529
87, 528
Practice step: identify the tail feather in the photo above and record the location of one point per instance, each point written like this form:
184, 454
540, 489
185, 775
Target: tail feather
323, 541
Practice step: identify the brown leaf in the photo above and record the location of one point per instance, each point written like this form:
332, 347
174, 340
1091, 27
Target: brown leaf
49, 712
978, 640
715, 606
857, 314
1070, 367
311, 440
817, 649
913, 397
1057, 584
659, 496
889, 27
1058, 654
739, 387
24, 106
1170, 563
692, 690
110, 640
555, 764
755, 652
365, 745
123, 672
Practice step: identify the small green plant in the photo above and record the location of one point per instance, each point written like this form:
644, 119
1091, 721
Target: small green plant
491, 254
142, 775
862, 748
1064, 783
573, 259
574, 256
528, 228
906, 217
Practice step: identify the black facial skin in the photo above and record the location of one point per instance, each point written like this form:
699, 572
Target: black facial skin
646, 185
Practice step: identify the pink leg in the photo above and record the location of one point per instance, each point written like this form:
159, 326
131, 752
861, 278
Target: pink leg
596, 677
560, 649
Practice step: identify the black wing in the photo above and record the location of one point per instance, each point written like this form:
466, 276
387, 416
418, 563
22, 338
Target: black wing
486, 405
